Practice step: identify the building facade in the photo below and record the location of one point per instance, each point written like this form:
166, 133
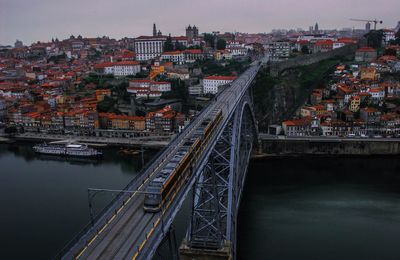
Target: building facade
211, 83
149, 47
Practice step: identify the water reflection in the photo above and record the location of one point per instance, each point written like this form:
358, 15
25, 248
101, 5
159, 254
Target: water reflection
321, 208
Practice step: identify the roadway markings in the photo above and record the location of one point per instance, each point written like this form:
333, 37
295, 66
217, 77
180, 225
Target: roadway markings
190, 131
164, 211
120, 209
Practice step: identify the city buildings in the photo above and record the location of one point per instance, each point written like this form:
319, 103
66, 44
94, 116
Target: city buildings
212, 83
119, 69
192, 32
359, 101
149, 47
366, 54
279, 50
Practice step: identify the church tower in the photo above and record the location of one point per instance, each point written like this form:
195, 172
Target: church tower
316, 29
154, 30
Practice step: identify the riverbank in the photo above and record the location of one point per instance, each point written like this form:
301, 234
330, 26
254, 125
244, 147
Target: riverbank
265, 157
5, 140
137, 142
329, 146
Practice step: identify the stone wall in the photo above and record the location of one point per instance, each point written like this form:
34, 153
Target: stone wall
329, 147
277, 67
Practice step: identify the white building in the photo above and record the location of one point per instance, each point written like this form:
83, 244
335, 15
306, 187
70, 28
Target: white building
195, 90
388, 35
377, 93
211, 83
176, 57
191, 55
237, 48
279, 50
122, 68
145, 84
160, 86
125, 68
182, 40
149, 47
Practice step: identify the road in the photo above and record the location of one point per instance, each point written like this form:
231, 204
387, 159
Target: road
264, 136
126, 231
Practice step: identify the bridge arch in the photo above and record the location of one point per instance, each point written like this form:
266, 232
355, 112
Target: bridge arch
218, 189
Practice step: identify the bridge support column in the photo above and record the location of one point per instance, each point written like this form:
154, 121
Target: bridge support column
189, 253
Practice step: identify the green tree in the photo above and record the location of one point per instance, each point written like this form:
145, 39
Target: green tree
168, 46
209, 39
107, 105
304, 49
120, 89
10, 130
374, 38
390, 52
396, 41
179, 46
221, 44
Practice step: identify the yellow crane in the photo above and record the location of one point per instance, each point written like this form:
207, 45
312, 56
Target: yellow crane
375, 21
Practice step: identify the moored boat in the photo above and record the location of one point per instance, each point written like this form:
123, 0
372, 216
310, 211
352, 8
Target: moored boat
70, 149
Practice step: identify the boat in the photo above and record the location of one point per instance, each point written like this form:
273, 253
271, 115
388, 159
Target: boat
70, 149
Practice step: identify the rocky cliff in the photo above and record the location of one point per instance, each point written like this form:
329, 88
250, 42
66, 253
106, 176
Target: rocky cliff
278, 98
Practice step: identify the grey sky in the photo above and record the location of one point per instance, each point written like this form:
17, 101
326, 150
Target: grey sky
33, 20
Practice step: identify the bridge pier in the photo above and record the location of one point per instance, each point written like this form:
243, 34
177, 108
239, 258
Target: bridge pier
189, 253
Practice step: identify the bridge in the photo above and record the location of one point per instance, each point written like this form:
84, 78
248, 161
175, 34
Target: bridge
210, 156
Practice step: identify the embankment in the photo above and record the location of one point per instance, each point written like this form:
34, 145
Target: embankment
329, 147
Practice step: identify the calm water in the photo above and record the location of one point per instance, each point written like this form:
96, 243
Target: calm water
299, 208
315, 208
43, 200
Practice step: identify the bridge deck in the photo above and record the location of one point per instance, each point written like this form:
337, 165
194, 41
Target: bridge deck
128, 231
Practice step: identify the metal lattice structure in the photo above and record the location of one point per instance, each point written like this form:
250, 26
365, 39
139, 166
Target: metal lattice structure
124, 230
218, 189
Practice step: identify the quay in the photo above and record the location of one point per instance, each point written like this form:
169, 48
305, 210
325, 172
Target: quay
270, 145
153, 142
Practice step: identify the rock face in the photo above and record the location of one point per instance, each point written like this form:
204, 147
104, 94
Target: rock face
305, 60
278, 98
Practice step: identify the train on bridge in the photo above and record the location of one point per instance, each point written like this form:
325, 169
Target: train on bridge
181, 166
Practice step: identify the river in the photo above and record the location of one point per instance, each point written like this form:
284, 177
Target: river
292, 208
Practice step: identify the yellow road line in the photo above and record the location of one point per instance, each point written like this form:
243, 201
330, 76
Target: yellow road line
163, 212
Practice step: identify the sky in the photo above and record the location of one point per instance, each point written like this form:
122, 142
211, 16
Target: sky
42, 20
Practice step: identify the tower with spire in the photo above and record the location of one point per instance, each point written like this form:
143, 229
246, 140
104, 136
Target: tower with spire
316, 29
192, 32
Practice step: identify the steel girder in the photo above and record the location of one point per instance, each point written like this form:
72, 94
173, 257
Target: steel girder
217, 191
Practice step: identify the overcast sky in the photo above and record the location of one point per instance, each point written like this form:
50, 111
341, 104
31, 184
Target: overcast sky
33, 20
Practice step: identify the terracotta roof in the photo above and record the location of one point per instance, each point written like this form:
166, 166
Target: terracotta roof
366, 49
221, 77
172, 53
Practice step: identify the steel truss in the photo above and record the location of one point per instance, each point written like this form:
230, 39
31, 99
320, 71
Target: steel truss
217, 190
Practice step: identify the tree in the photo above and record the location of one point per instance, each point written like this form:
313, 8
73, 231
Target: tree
10, 130
179, 46
374, 38
397, 40
168, 46
120, 89
390, 52
304, 49
210, 39
107, 105
221, 44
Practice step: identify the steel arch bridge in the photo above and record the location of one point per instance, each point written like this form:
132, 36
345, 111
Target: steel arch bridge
218, 189
217, 172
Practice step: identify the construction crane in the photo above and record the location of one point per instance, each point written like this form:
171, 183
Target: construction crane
375, 21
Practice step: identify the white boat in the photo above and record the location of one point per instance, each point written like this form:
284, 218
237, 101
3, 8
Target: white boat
71, 149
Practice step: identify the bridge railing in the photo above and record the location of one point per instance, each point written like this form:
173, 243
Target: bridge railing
108, 211
100, 220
